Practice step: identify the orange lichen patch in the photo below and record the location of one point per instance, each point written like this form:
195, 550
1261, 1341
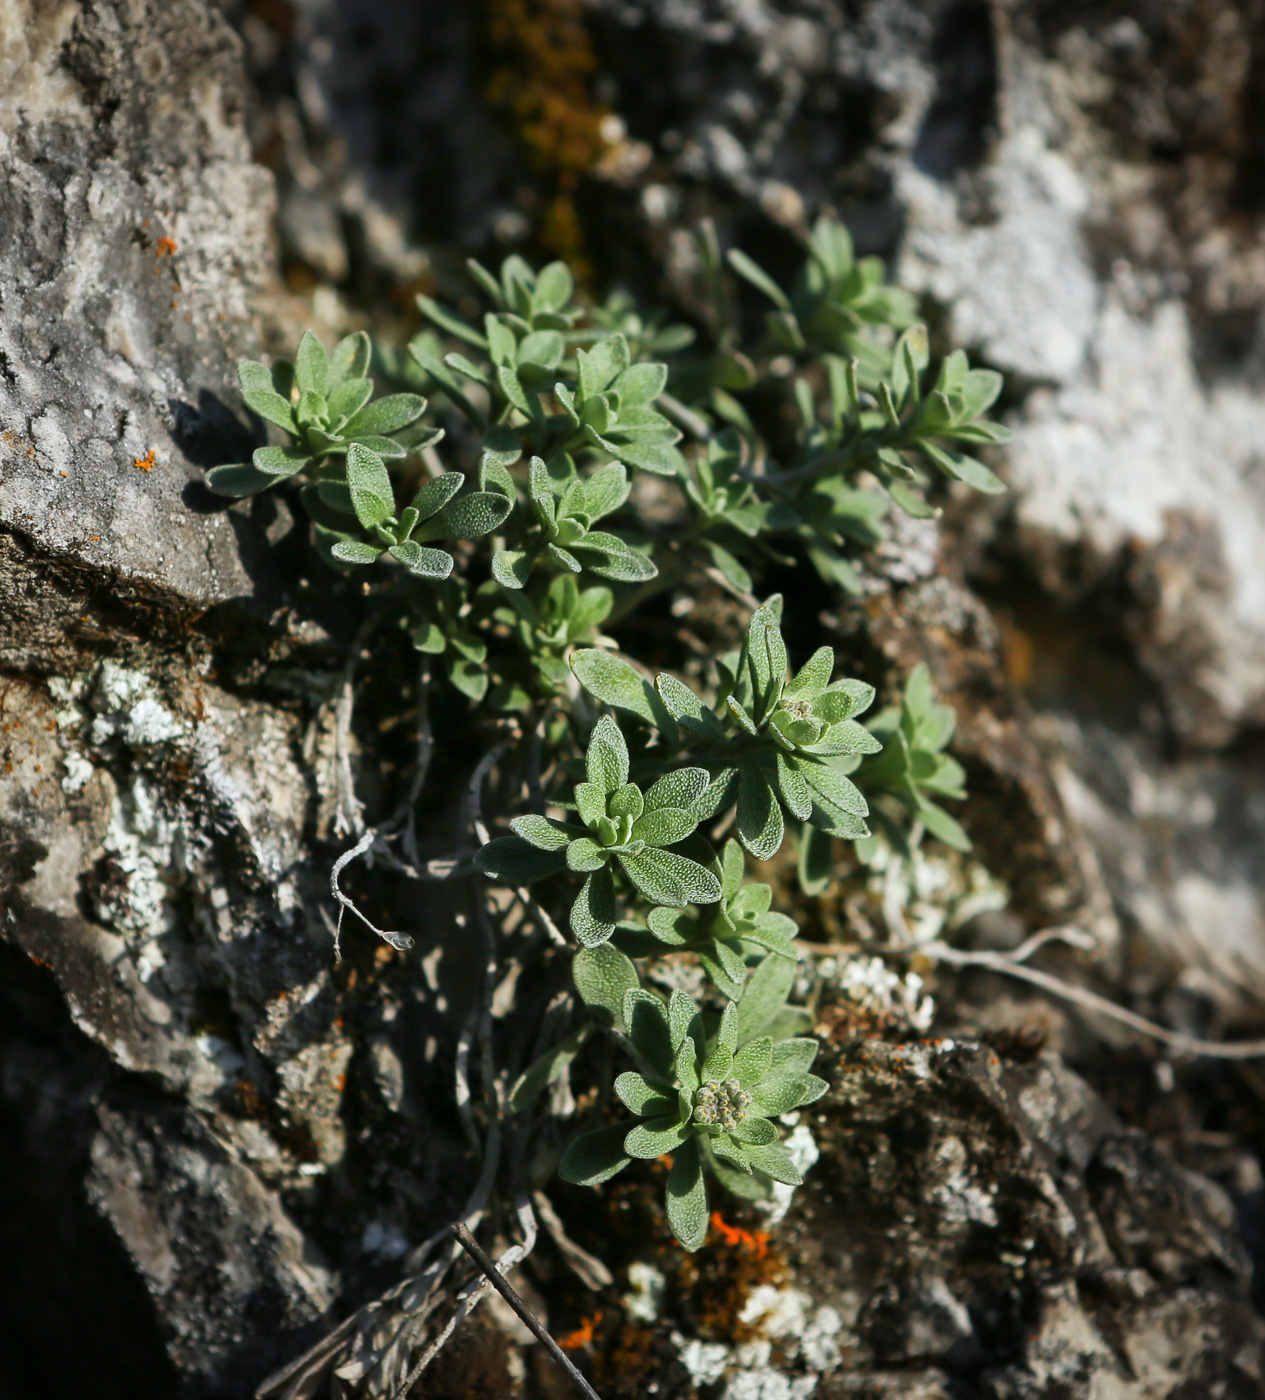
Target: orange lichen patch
145, 463
542, 67
735, 1235
166, 245
583, 1334
91, 537
40, 962
716, 1282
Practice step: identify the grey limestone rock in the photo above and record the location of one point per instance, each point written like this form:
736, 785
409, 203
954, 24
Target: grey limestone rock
134, 244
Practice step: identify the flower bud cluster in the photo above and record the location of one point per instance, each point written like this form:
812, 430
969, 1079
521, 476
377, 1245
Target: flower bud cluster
723, 1106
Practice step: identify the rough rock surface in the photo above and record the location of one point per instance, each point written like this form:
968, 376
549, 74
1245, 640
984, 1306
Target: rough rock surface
230, 1134
149, 829
134, 238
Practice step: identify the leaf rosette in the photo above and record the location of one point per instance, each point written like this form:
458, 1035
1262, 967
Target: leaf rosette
623, 829
708, 1102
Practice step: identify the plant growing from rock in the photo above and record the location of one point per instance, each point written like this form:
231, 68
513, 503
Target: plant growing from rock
527, 460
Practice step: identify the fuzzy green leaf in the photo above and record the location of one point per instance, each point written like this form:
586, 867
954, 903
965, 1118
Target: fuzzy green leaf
603, 976
665, 877
356, 551
370, 486
616, 560
656, 1136
593, 914
350, 359
650, 1030
963, 468
311, 366
606, 490
606, 761
261, 397
512, 567
774, 1161
760, 826
584, 855
387, 415
542, 1072
816, 860
512, 861
664, 827
423, 563
757, 1132
641, 384
239, 479
594, 1157
681, 788
794, 1056
348, 398
544, 833
281, 462
942, 826
645, 1097
764, 997
553, 287
758, 278
686, 1197
468, 517
752, 1062
435, 494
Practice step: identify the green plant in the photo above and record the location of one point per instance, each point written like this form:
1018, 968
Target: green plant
707, 1100
768, 743
727, 938
538, 421
622, 828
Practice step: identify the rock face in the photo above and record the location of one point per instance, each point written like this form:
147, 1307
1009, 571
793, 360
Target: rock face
1076, 190
146, 826
231, 1134
134, 238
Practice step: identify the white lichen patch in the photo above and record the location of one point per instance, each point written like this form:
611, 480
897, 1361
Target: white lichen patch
787, 1324
765, 1384
147, 850
960, 1199
644, 1300
706, 1362
931, 893
78, 771
885, 996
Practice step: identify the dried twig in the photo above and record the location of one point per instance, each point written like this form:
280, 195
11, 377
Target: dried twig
493, 1274
590, 1270
471, 1295
348, 811
1011, 965
401, 941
